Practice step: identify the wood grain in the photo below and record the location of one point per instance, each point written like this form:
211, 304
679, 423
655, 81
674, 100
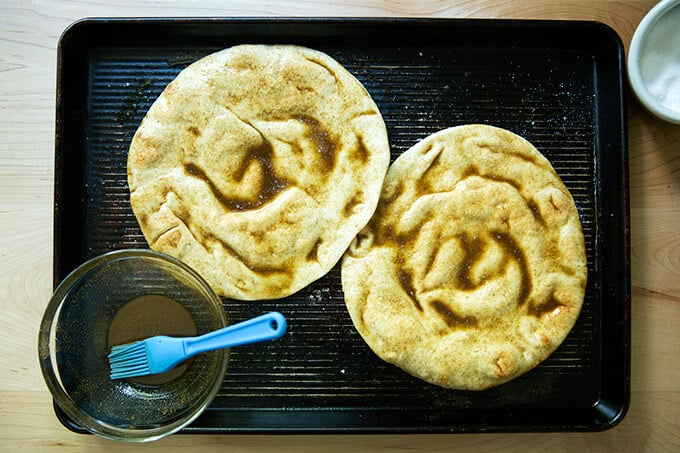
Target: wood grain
29, 33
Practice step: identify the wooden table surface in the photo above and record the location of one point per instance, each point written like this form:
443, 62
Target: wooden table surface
29, 31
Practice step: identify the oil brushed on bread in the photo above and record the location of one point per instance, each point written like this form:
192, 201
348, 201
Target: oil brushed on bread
473, 268
257, 166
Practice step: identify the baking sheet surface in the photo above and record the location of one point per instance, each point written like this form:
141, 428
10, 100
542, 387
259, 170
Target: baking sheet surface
553, 83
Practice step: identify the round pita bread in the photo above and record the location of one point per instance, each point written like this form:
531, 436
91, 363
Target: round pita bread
473, 268
257, 166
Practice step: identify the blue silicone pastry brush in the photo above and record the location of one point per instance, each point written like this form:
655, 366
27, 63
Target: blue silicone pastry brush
162, 353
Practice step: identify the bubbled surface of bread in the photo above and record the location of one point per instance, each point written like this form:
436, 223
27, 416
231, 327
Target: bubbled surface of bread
473, 268
257, 166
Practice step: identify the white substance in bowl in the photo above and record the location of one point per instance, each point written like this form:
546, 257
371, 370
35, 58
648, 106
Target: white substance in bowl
660, 60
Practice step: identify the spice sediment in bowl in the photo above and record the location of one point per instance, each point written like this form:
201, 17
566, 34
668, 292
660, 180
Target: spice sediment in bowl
147, 316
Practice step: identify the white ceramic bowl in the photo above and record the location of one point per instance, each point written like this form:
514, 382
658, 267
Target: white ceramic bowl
654, 61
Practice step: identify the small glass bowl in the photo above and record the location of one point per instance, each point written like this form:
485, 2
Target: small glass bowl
654, 61
73, 347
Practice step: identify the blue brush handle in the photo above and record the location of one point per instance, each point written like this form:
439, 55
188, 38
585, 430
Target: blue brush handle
262, 328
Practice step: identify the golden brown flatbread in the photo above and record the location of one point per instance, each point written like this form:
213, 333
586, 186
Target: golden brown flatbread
257, 166
473, 268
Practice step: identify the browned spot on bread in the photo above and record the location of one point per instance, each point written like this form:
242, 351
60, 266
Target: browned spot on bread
356, 200
194, 131
431, 259
427, 150
258, 269
452, 319
168, 238
474, 171
313, 252
536, 212
513, 251
370, 111
360, 152
241, 62
557, 205
184, 216
524, 157
197, 172
305, 89
424, 183
145, 143
325, 147
271, 185
170, 89
473, 248
406, 282
545, 307
470, 171
396, 193
295, 147
384, 233
545, 341
362, 240
499, 178
323, 65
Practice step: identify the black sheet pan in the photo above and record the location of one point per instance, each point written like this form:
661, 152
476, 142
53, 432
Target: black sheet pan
558, 84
